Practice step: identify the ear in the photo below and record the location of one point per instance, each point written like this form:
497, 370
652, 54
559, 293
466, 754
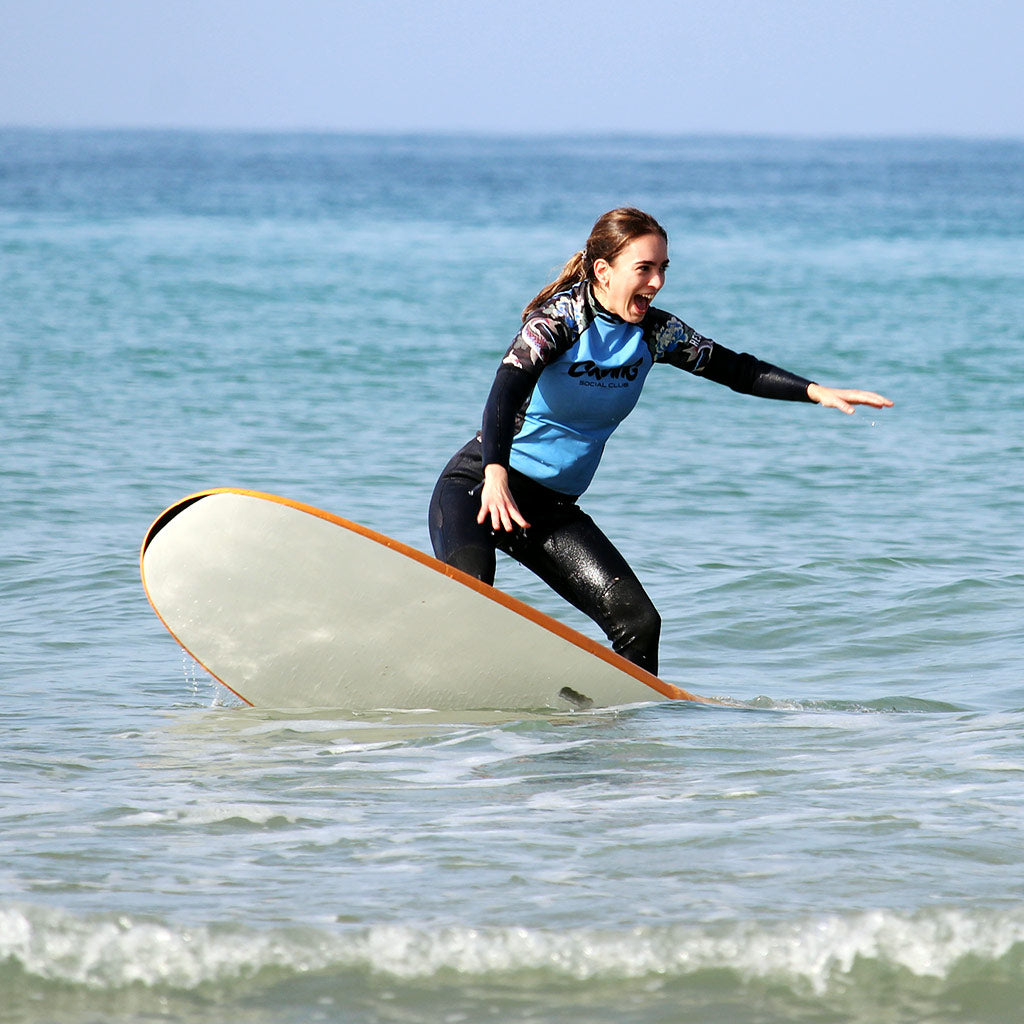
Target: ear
602, 268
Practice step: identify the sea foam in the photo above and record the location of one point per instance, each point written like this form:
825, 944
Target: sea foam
816, 954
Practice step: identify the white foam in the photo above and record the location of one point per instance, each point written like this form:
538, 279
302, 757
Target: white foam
818, 954
212, 813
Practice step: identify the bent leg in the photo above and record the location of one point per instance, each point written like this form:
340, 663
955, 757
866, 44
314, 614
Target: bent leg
564, 547
579, 563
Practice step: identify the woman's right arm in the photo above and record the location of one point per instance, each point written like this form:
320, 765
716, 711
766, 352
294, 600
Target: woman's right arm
540, 340
509, 392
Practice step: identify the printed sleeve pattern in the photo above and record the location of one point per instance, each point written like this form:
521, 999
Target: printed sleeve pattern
547, 334
671, 341
536, 345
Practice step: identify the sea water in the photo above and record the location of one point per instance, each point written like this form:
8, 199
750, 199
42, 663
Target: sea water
320, 316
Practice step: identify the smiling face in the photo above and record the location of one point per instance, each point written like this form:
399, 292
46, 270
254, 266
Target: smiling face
627, 285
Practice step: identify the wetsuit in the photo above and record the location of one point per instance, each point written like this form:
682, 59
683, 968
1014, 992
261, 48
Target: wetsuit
570, 376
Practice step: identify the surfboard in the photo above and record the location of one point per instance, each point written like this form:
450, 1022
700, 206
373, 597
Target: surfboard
289, 606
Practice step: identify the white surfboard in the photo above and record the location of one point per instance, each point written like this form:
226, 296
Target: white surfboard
292, 607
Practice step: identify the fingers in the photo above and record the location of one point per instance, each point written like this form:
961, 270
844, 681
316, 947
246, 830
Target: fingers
497, 503
507, 517
868, 398
501, 509
844, 399
503, 517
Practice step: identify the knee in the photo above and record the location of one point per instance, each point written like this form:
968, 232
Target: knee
632, 622
476, 560
625, 601
646, 623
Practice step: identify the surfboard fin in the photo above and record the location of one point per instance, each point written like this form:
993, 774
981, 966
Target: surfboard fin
578, 700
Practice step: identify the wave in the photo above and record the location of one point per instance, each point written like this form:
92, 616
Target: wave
940, 956
880, 705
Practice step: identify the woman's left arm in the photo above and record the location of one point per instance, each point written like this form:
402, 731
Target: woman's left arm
752, 376
844, 399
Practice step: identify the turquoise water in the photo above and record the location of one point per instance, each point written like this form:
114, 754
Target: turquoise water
320, 317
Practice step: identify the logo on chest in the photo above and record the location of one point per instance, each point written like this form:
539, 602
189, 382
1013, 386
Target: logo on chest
606, 376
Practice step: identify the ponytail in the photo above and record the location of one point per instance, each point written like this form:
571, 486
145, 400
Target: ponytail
574, 271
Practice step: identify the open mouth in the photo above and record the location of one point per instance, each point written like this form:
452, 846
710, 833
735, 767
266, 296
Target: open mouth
641, 303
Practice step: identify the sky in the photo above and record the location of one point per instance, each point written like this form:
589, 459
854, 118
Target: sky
777, 67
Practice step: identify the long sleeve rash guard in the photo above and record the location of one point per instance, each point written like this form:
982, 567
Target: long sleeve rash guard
575, 371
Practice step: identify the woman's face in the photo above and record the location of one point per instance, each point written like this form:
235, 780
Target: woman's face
628, 284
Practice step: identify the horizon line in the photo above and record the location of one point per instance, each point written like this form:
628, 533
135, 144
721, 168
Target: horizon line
519, 133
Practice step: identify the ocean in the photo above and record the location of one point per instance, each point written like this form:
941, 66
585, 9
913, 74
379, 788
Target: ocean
320, 316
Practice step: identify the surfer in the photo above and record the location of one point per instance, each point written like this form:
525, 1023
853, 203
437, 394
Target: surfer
572, 373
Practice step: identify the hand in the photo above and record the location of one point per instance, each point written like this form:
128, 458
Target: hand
497, 503
844, 399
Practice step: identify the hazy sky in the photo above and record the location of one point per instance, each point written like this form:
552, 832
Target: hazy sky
832, 67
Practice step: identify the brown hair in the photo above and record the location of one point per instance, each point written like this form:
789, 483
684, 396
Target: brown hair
612, 232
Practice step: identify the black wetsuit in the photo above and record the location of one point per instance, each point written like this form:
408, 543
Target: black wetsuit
572, 373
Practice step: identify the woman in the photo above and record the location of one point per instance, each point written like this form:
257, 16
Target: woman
572, 373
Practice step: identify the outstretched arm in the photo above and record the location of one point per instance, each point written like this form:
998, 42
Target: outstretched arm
751, 376
844, 399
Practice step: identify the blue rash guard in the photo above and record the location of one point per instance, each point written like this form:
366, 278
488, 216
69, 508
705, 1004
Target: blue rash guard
575, 371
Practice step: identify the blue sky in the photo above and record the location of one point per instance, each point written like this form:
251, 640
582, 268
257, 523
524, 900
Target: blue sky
804, 67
